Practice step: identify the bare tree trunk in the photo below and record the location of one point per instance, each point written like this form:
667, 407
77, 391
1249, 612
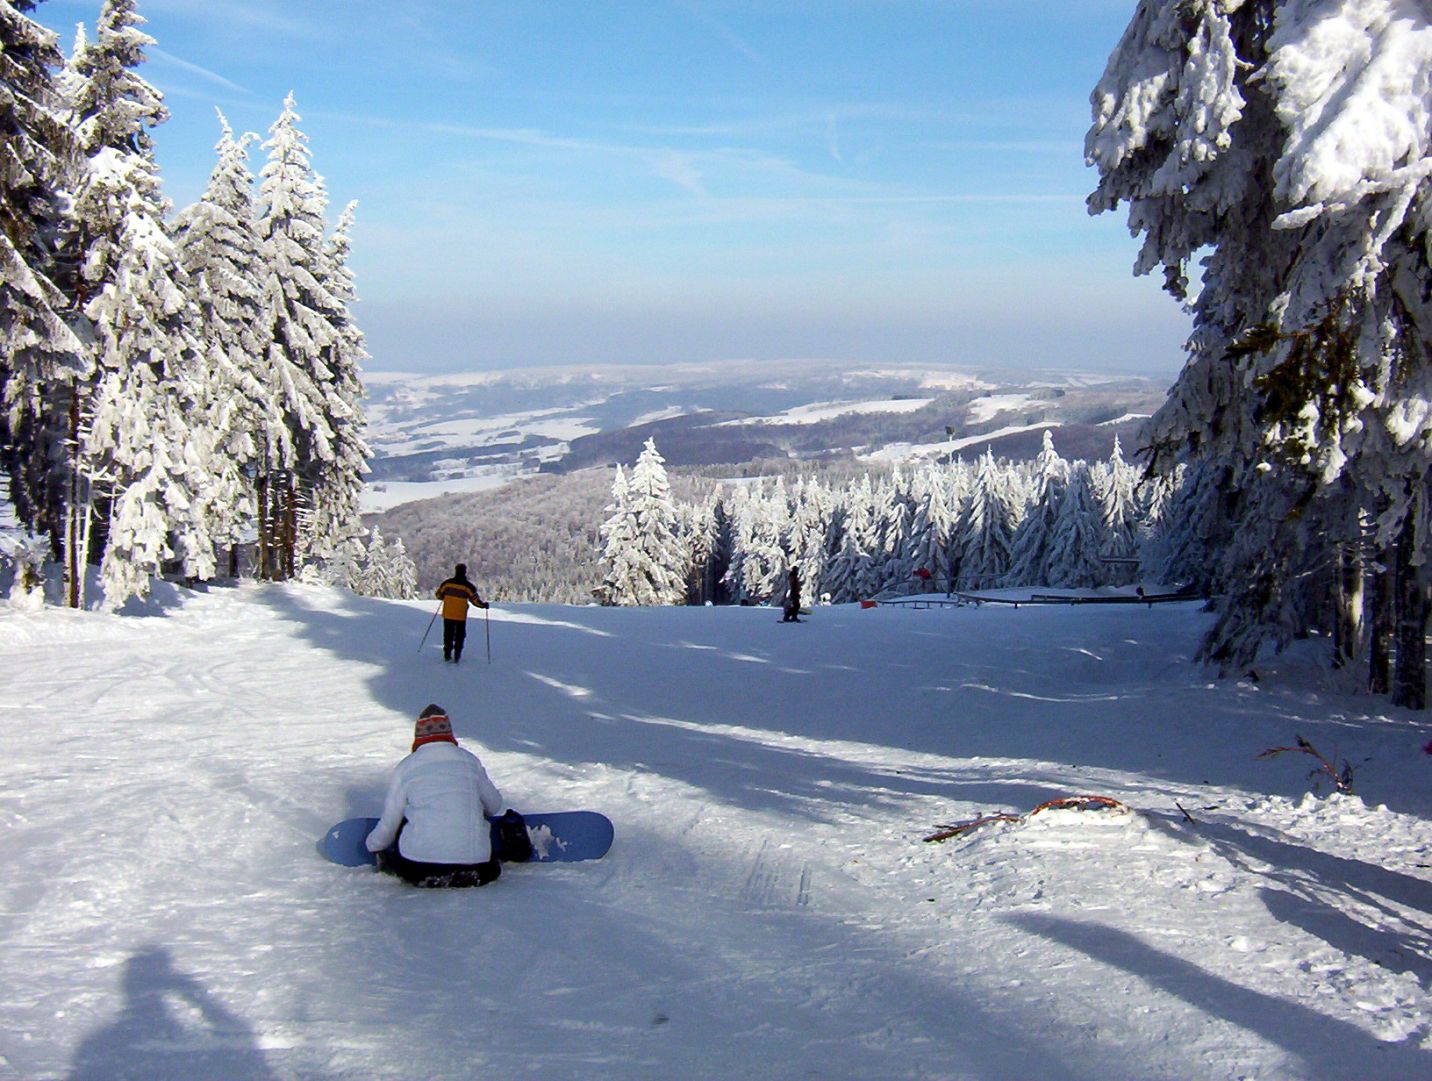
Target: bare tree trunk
1409, 591
288, 530
74, 585
265, 539
1348, 601
1379, 633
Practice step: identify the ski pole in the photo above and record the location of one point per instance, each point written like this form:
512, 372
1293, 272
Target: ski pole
487, 631
430, 627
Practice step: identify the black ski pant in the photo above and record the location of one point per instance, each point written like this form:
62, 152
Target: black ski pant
437, 875
454, 635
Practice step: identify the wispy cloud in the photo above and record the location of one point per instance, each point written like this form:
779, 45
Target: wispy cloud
1023, 146
195, 69
723, 32
681, 170
247, 14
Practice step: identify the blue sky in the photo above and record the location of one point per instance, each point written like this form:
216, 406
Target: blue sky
553, 182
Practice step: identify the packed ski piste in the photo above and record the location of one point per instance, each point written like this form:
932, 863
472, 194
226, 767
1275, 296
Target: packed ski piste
1128, 885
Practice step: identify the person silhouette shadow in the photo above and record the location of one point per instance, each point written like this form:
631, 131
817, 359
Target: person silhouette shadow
170, 1026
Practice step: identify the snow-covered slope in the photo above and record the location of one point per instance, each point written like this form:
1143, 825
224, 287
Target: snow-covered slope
769, 909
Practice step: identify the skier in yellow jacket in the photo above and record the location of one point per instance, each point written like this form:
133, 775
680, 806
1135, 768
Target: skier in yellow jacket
456, 594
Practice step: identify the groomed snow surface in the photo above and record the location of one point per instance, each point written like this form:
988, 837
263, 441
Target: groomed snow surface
769, 909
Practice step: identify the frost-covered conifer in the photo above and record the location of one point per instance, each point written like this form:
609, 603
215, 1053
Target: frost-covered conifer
889, 565
336, 491
618, 535
810, 524
644, 556
1029, 549
299, 336
930, 526
662, 554
847, 572
988, 528
382, 570
1288, 139
1072, 561
218, 244
1116, 490
760, 560
143, 449
40, 357
696, 527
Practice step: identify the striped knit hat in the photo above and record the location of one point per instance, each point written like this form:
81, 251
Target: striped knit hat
433, 727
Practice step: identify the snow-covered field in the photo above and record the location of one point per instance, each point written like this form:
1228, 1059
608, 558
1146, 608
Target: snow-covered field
385, 495
908, 452
769, 909
816, 412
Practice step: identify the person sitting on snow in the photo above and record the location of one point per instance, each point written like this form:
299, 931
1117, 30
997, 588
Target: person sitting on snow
434, 831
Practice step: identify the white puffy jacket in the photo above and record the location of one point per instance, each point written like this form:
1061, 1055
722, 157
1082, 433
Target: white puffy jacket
443, 792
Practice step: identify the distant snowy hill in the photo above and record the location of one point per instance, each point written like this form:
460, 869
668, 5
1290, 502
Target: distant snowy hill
461, 433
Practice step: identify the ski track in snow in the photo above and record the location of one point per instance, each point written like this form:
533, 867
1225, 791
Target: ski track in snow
768, 908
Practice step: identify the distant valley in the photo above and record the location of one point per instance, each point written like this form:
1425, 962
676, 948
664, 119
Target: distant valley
463, 433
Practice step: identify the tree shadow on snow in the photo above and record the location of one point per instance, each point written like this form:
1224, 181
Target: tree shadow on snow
731, 701
571, 692
169, 1026
1297, 866
1402, 952
1326, 1046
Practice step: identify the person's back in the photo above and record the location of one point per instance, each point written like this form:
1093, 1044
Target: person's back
456, 593
434, 829
446, 793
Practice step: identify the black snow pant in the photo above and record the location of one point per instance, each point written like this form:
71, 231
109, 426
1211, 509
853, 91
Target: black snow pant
454, 635
435, 875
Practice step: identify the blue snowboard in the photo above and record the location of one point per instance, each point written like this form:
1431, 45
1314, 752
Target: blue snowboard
558, 837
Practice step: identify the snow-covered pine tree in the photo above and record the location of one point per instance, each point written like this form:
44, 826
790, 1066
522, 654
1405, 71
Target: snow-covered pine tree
339, 484
1029, 549
760, 561
661, 553
218, 244
810, 524
1072, 561
889, 567
383, 570
143, 449
930, 526
697, 530
848, 569
1156, 519
989, 527
1290, 140
400, 574
300, 336
644, 556
723, 531
959, 490
41, 359
1117, 494
618, 535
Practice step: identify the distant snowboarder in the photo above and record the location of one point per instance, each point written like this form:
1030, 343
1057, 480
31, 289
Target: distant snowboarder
433, 831
456, 594
793, 598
